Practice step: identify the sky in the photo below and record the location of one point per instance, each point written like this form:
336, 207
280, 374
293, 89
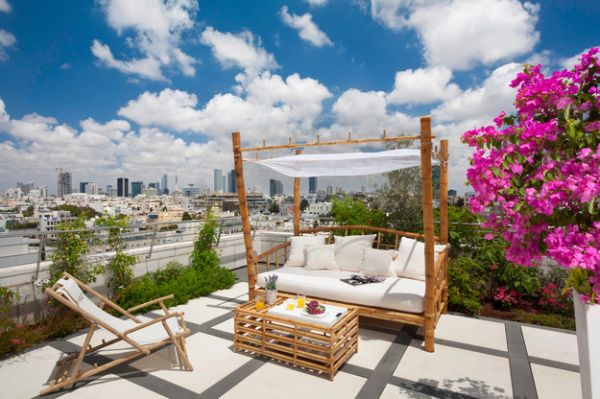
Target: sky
140, 88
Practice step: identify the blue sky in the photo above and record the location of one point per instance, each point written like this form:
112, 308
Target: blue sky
161, 86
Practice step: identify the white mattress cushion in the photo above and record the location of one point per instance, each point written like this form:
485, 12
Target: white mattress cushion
349, 251
378, 262
297, 246
394, 293
320, 257
410, 261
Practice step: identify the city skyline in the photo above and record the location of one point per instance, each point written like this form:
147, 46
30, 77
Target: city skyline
177, 93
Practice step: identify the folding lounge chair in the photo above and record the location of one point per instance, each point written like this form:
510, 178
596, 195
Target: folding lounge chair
144, 337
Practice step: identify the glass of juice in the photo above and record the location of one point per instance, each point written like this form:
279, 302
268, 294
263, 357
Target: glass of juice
259, 301
290, 305
300, 301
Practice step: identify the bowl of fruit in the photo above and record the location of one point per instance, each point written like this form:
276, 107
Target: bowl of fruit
314, 309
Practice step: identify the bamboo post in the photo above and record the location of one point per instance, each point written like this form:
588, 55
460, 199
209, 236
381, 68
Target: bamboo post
429, 313
444, 212
297, 202
243, 203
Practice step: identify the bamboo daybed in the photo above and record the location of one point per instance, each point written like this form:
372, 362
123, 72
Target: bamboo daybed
436, 280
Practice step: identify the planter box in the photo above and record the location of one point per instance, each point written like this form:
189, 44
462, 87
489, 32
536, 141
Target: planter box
587, 318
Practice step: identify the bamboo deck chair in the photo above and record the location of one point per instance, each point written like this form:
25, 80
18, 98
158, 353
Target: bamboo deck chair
144, 337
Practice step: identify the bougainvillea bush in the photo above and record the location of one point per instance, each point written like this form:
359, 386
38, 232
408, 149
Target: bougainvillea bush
536, 174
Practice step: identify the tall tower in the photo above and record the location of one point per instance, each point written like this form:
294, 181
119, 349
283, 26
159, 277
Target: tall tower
218, 180
232, 182
164, 183
312, 185
122, 187
64, 186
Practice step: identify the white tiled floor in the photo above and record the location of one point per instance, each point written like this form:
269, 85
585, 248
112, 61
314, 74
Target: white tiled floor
554, 383
551, 345
457, 370
464, 371
484, 333
290, 383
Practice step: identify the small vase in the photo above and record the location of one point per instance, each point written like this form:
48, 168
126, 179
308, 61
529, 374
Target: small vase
587, 318
271, 297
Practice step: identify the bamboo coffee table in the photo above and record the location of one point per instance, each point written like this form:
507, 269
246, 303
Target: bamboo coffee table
301, 343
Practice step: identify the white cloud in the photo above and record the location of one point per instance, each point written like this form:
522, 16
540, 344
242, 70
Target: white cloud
7, 40
463, 33
482, 103
241, 50
306, 27
156, 35
268, 106
5, 6
316, 3
423, 86
148, 67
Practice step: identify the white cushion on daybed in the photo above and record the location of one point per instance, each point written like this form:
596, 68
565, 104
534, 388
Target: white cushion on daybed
298, 244
378, 262
394, 293
410, 261
349, 251
320, 257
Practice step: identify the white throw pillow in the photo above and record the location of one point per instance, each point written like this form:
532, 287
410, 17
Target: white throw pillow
320, 257
298, 243
378, 262
410, 261
349, 251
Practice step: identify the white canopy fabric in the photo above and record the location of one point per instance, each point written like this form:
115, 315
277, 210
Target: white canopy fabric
344, 164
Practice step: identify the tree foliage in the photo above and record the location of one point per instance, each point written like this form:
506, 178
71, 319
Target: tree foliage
204, 256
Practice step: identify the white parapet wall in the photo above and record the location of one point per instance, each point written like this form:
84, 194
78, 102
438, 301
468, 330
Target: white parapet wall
26, 279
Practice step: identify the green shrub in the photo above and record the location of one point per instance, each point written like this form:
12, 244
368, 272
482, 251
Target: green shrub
204, 256
467, 285
544, 319
183, 283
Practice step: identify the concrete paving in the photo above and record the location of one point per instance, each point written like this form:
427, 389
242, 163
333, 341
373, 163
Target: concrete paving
474, 358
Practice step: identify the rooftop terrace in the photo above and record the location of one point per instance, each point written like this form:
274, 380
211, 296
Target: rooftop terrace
474, 358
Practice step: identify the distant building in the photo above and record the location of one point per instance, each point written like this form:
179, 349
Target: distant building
91, 188
155, 185
136, 188
82, 185
25, 187
190, 191
232, 187
150, 191
218, 181
164, 183
312, 185
363, 189
65, 186
122, 187
43, 191
275, 187
329, 190
452, 193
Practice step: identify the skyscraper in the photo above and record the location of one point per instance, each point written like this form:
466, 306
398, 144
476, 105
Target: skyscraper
155, 185
123, 187
82, 185
312, 185
275, 187
136, 188
64, 184
25, 187
91, 188
232, 182
164, 183
218, 180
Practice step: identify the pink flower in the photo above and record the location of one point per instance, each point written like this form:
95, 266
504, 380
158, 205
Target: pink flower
489, 236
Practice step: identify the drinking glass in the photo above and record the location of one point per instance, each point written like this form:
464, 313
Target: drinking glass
300, 301
259, 301
290, 305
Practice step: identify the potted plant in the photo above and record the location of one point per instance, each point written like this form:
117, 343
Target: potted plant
536, 177
271, 288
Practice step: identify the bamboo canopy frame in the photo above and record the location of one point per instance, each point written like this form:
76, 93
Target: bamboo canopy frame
430, 315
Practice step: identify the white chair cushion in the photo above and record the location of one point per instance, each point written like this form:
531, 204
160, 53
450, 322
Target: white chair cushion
378, 262
410, 261
320, 257
297, 246
349, 251
403, 294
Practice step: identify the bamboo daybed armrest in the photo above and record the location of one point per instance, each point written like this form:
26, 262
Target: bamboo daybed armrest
152, 302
